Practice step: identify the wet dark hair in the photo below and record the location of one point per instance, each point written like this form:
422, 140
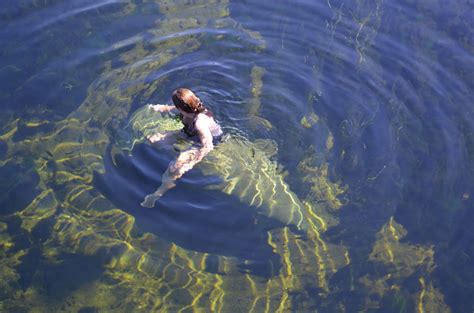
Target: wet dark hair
187, 101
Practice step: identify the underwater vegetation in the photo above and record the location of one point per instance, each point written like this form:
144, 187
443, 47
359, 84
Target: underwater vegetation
367, 216
69, 248
254, 103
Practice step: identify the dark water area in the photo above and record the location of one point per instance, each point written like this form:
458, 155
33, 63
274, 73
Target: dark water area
344, 183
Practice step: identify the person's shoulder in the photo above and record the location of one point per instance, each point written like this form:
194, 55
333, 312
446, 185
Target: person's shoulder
203, 117
203, 121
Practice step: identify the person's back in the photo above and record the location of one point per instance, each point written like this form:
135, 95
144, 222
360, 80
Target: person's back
206, 120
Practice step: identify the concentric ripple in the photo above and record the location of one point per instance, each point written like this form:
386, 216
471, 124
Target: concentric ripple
343, 183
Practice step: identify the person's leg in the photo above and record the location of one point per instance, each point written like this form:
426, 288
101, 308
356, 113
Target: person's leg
166, 183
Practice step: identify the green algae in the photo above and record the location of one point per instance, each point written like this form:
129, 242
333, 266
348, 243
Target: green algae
132, 271
87, 224
309, 120
254, 103
8, 261
146, 122
143, 273
322, 189
403, 262
247, 171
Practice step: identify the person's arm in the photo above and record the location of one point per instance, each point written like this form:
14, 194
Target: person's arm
161, 107
163, 137
187, 159
185, 162
164, 140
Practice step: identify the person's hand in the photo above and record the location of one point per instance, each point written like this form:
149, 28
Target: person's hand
159, 107
156, 137
155, 107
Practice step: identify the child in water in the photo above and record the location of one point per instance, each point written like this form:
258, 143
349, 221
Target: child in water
198, 121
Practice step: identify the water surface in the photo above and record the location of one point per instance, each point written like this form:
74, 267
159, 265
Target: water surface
347, 187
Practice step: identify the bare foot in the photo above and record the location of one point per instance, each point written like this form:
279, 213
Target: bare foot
149, 201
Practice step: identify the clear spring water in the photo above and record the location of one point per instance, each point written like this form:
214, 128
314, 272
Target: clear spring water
345, 186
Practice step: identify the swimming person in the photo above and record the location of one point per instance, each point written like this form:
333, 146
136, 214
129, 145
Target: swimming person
198, 123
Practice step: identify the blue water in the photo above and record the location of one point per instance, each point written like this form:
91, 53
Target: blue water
361, 111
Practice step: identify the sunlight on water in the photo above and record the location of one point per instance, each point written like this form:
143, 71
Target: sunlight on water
342, 183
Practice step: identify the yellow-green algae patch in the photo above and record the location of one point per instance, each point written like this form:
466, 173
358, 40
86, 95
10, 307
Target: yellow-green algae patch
404, 257
254, 103
9, 286
402, 261
131, 274
141, 272
322, 189
324, 193
98, 259
309, 120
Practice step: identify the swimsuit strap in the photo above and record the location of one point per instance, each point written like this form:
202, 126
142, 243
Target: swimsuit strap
190, 130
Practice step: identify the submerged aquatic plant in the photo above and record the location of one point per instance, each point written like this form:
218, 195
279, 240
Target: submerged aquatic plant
69, 222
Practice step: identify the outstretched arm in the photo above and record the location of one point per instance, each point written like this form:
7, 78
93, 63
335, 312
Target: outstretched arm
164, 140
161, 107
185, 161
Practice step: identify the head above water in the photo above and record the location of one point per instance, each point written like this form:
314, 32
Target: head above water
185, 100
